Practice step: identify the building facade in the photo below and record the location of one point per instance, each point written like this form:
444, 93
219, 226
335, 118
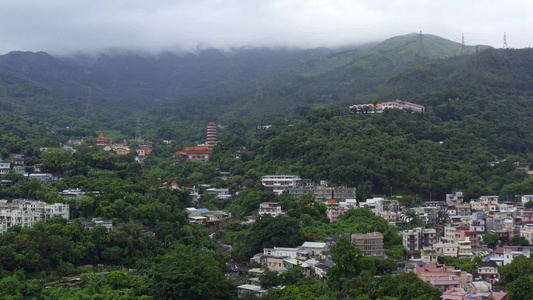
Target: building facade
371, 244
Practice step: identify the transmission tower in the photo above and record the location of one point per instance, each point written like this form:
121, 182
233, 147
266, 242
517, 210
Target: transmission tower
420, 45
89, 107
463, 47
505, 41
259, 93
138, 129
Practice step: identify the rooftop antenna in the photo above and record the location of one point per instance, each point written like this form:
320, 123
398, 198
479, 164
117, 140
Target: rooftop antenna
463, 47
89, 107
505, 41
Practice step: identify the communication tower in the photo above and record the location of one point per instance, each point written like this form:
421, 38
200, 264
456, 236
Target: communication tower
420, 44
463, 47
89, 107
505, 41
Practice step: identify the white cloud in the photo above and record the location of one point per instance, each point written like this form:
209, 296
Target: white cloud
60, 26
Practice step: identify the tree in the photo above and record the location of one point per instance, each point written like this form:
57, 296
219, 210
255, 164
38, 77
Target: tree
397, 252
270, 232
346, 258
518, 241
491, 239
187, 273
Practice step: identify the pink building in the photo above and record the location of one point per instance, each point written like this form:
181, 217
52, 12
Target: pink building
334, 210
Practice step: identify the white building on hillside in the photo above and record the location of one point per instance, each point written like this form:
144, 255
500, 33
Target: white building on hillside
26, 213
280, 183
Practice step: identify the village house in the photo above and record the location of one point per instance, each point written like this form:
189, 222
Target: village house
441, 276
334, 210
270, 208
488, 271
315, 249
280, 183
4, 167
454, 198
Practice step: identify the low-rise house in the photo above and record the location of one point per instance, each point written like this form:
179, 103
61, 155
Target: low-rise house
120, 149
257, 291
472, 294
463, 209
17, 160
526, 198
334, 210
273, 263
454, 198
220, 193
441, 276
461, 248
281, 252
485, 203
270, 208
280, 183
464, 233
315, 249
4, 167
211, 220
527, 233
108, 224
488, 271
509, 255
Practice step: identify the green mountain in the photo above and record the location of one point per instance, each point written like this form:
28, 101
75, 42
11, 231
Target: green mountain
216, 85
346, 77
476, 127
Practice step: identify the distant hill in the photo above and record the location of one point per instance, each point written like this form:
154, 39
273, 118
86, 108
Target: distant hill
216, 85
346, 77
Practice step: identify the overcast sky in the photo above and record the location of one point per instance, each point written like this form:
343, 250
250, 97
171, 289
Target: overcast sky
66, 26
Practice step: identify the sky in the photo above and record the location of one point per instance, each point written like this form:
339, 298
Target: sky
92, 26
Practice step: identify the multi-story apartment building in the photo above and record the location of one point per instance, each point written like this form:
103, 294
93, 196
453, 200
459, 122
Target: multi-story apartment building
416, 239
371, 244
26, 213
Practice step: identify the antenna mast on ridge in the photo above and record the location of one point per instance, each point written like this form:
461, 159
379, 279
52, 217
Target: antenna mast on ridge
89, 107
505, 41
463, 47
420, 45
138, 129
